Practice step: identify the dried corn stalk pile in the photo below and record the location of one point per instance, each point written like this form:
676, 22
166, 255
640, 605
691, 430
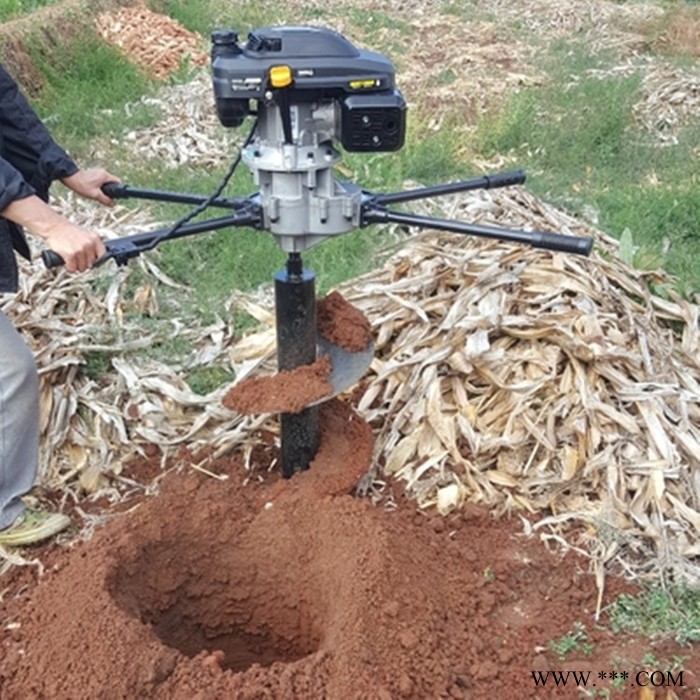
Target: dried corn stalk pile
90, 428
155, 42
543, 384
670, 99
63, 319
189, 132
546, 384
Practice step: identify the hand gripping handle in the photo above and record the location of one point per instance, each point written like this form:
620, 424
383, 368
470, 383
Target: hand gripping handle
52, 259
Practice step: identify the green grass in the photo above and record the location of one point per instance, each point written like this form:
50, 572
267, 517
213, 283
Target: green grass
575, 640
87, 85
575, 136
241, 16
584, 151
12, 9
656, 611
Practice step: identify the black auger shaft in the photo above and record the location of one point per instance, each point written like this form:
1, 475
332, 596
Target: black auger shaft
295, 312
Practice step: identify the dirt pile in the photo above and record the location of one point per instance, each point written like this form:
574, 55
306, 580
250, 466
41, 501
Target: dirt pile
340, 324
290, 589
289, 391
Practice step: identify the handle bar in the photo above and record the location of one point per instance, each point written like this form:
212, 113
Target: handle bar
247, 211
244, 213
537, 239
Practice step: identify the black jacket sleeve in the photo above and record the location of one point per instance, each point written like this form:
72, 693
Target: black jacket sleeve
27, 150
29, 161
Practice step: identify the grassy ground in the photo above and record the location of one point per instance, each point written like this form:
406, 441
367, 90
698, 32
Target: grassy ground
574, 133
10, 9
587, 154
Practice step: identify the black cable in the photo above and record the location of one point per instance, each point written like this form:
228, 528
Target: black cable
167, 233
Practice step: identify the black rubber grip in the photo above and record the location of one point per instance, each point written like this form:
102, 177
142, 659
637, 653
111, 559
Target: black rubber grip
52, 259
115, 190
563, 244
513, 177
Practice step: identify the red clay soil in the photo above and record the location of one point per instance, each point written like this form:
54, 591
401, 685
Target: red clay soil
260, 587
342, 324
266, 588
289, 391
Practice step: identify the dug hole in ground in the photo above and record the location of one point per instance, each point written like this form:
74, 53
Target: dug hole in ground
533, 397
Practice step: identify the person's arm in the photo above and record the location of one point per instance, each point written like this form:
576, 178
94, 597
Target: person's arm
30, 149
30, 160
27, 143
78, 248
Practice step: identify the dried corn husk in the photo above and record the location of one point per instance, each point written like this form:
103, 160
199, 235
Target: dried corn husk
155, 42
188, 133
535, 382
532, 382
538, 382
670, 99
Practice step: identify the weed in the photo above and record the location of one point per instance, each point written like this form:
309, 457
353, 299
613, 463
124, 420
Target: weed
650, 660
204, 380
656, 611
97, 364
575, 640
244, 15
619, 683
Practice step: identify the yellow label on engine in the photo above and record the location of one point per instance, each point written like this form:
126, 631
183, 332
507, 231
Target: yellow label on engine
363, 84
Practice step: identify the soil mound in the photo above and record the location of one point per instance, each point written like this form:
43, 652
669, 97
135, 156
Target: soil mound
289, 589
288, 391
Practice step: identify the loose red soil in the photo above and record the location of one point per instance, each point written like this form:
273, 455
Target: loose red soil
289, 391
258, 587
268, 588
342, 324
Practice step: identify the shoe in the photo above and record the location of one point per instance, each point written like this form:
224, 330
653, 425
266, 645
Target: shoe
34, 526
